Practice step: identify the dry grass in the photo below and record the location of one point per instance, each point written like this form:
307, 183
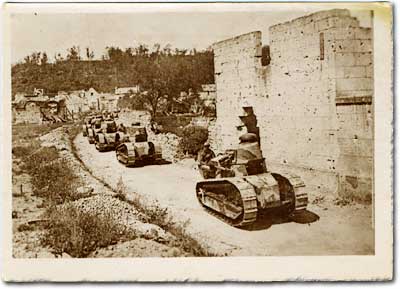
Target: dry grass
22, 151
22, 133
121, 190
52, 177
80, 233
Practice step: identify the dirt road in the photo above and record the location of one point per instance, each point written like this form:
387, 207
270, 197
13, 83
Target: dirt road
338, 231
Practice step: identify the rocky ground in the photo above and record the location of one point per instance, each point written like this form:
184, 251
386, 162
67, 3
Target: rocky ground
97, 198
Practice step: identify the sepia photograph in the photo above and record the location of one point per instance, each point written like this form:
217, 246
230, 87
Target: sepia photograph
241, 132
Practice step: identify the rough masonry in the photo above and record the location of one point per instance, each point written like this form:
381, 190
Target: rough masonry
313, 101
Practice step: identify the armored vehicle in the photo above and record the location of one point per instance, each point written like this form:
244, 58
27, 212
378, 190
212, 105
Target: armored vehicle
95, 127
108, 137
87, 123
238, 185
138, 151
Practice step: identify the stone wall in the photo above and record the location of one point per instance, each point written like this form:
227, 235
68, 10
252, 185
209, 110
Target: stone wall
312, 101
354, 98
237, 64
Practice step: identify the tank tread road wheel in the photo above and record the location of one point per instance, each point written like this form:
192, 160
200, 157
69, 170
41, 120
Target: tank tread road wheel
249, 202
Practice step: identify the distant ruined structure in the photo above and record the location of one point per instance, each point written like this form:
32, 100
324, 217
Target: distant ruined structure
313, 101
38, 108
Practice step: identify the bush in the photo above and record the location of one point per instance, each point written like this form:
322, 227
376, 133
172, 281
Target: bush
80, 233
193, 138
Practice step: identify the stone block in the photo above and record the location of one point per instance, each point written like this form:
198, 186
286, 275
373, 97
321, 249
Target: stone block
341, 34
364, 45
369, 71
346, 84
354, 72
345, 59
323, 24
363, 33
354, 93
363, 58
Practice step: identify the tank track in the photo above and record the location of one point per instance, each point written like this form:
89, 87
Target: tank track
249, 200
300, 195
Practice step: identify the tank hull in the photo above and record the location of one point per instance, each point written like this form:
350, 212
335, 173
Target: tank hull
239, 200
138, 154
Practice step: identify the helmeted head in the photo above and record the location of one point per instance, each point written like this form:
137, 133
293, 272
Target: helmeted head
206, 144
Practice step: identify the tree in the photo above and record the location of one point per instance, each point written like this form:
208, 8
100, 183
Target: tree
58, 58
74, 53
161, 71
115, 54
89, 54
44, 59
33, 59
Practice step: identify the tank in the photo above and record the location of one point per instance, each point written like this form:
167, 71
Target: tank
239, 187
87, 123
95, 127
138, 151
109, 137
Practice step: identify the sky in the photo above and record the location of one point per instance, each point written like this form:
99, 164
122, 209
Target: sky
55, 33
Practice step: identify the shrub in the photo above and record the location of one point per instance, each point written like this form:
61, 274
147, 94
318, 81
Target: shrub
193, 138
80, 233
41, 156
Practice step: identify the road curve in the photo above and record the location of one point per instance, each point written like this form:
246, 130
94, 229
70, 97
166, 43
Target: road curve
339, 231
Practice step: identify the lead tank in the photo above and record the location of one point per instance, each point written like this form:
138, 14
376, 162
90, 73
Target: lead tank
240, 186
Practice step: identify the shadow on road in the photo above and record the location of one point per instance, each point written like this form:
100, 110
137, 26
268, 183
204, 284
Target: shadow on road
162, 162
266, 219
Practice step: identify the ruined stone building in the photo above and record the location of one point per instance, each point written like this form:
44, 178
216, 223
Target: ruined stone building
76, 102
38, 109
108, 101
92, 97
313, 101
